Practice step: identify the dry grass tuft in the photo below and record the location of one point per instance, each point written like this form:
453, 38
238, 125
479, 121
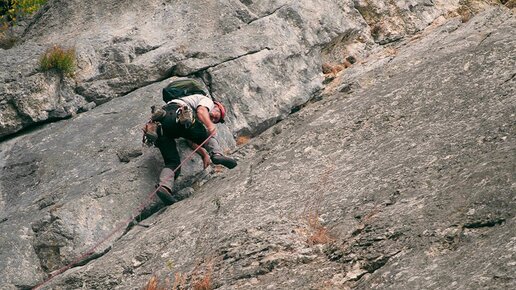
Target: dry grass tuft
509, 3
60, 59
328, 68
468, 8
465, 13
11, 10
202, 280
153, 284
319, 234
242, 140
179, 281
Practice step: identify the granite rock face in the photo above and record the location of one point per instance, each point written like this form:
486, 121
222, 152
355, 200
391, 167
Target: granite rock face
240, 48
407, 182
399, 174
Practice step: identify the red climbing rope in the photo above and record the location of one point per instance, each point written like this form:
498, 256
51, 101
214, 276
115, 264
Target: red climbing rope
121, 224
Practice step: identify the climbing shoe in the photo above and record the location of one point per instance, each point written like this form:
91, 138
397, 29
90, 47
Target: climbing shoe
228, 162
166, 195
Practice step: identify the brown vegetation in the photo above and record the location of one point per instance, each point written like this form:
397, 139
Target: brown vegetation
319, 234
154, 284
509, 3
179, 281
468, 8
329, 68
242, 140
59, 59
202, 278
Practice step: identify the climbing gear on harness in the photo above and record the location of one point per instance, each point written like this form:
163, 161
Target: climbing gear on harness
185, 116
157, 112
151, 131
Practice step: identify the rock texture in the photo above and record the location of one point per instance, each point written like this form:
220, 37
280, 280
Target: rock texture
242, 49
399, 174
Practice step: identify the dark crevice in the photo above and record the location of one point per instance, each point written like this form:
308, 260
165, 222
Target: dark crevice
485, 37
267, 15
32, 128
376, 264
91, 257
510, 78
143, 50
373, 265
158, 207
147, 212
208, 81
249, 180
174, 71
260, 128
83, 261
316, 97
485, 223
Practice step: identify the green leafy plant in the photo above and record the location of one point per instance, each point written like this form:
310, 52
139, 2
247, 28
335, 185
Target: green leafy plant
10, 10
59, 59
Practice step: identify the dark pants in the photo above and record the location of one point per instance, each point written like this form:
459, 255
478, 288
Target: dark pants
166, 143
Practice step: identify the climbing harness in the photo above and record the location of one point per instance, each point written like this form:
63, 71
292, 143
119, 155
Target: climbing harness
185, 116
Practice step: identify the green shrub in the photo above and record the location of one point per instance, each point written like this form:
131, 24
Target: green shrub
11, 9
58, 59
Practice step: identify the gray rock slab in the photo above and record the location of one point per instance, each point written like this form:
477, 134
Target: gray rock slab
239, 48
71, 183
405, 183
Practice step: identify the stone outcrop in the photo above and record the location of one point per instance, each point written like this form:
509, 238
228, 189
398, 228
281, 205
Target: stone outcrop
398, 174
242, 49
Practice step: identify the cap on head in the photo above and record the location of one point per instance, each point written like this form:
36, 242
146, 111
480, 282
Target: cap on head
222, 111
